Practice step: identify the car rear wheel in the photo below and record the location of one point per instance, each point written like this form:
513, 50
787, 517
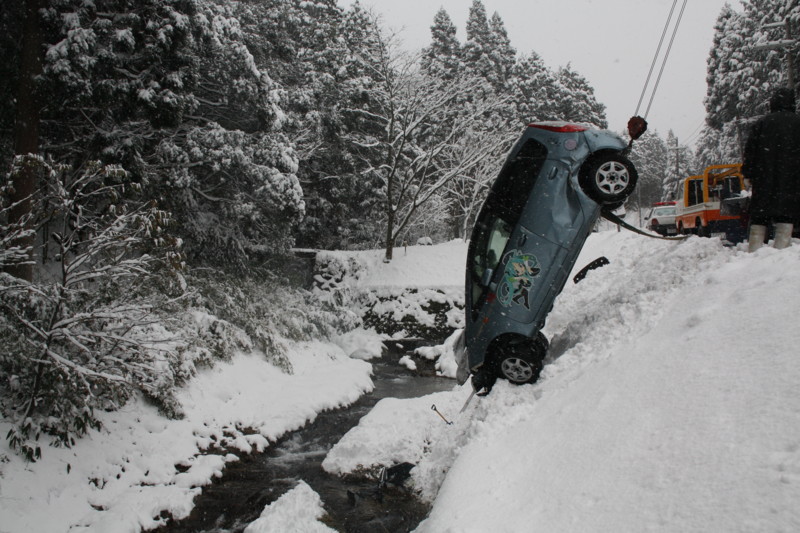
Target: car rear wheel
608, 178
521, 361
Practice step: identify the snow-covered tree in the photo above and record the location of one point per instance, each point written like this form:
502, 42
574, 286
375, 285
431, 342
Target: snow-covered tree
741, 77
533, 86
720, 147
170, 91
650, 155
501, 53
80, 341
408, 141
575, 100
479, 39
442, 58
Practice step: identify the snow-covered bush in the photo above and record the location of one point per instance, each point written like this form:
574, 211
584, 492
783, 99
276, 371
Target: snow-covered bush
261, 313
427, 313
83, 337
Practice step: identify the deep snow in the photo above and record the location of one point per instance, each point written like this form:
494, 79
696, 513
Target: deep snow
670, 404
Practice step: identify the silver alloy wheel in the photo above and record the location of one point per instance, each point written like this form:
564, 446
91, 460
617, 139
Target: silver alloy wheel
516, 369
612, 177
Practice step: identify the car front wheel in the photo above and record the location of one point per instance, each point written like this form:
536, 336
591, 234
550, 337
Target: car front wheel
522, 362
608, 178
519, 370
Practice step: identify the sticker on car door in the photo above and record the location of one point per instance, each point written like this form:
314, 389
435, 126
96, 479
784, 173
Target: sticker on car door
518, 278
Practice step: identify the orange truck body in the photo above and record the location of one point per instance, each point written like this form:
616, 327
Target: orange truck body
698, 206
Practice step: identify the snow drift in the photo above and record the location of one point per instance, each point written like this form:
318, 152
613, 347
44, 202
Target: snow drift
669, 404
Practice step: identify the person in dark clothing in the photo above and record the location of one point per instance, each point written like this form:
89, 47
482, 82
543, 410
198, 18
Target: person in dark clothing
772, 164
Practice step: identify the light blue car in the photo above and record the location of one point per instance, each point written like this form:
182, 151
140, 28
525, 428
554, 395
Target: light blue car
531, 228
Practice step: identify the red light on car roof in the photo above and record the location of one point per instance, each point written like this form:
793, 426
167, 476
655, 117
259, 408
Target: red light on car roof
657, 204
558, 127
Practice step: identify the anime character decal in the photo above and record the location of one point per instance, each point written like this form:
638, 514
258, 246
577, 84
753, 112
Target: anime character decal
518, 277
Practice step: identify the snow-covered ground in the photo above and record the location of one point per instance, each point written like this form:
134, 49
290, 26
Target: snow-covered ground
121, 478
670, 404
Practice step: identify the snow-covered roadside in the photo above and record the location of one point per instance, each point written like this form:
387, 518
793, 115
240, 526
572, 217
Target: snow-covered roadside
423, 267
122, 479
671, 406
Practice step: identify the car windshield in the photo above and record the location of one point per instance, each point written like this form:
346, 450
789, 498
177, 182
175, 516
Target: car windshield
500, 214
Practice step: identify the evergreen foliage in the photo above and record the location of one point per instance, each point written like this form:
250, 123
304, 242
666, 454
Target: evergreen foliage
740, 77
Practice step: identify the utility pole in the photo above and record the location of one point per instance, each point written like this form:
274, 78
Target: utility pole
788, 43
677, 150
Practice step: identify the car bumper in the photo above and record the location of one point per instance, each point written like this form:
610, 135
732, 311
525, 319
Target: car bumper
665, 229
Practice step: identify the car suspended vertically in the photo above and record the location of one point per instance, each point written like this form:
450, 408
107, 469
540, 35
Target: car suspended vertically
527, 237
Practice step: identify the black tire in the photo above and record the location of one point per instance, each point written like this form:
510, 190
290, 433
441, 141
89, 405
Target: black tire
702, 231
608, 178
521, 360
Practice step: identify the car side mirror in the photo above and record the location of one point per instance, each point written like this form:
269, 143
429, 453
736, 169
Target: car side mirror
487, 277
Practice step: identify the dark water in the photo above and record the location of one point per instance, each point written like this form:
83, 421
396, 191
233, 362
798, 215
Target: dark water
235, 500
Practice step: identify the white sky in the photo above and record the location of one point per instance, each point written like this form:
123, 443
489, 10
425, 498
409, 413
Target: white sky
610, 42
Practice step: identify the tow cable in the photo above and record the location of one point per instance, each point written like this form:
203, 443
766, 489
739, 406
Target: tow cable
611, 217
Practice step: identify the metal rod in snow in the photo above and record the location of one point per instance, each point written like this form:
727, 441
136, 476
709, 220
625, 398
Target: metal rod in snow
467, 402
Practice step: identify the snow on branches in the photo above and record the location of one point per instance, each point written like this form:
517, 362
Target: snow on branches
85, 336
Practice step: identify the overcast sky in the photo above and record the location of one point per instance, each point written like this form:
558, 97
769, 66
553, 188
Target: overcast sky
610, 42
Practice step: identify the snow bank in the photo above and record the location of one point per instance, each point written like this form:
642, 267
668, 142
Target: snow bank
395, 431
122, 478
669, 405
297, 511
361, 343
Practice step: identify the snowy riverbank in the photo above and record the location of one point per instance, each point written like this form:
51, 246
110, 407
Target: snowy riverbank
126, 477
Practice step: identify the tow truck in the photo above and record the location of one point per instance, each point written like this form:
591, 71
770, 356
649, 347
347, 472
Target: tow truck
703, 200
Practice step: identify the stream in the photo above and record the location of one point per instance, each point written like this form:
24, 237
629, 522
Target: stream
230, 503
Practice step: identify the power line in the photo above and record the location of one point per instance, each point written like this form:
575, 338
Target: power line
655, 57
666, 55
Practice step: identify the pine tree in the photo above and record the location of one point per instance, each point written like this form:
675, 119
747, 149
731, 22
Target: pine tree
501, 53
575, 99
442, 59
476, 49
651, 157
533, 85
741, 78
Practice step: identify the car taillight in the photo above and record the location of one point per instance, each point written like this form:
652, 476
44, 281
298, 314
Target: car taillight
558, 127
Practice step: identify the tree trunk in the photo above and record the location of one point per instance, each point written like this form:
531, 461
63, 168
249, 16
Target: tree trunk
389, 239
26, 128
